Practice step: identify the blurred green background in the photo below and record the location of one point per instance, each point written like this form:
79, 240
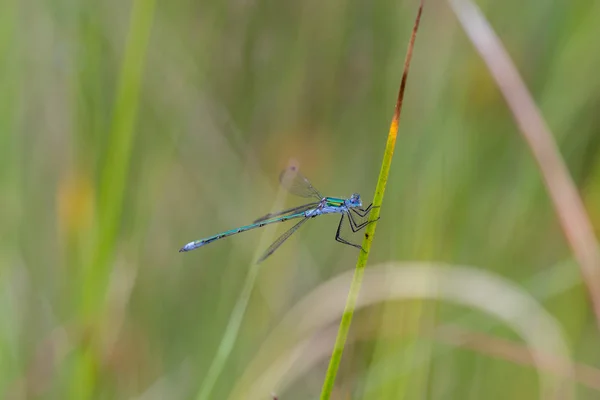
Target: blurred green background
128, 129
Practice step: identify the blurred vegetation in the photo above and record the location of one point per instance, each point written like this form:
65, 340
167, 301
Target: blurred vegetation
130, 128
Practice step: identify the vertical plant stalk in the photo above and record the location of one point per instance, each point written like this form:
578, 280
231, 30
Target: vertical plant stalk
342, 335
112, 188
569, 207
116, 164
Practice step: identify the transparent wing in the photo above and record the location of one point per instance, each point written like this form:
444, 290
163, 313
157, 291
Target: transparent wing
280, 240
296, 183
292, 210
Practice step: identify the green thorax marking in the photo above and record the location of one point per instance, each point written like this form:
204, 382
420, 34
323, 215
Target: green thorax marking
334, 202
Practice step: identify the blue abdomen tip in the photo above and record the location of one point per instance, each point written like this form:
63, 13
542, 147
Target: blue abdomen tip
189, 246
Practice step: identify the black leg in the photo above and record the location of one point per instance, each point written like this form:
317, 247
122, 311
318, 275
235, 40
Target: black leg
363, 212
356, 226
341, 240
366, 210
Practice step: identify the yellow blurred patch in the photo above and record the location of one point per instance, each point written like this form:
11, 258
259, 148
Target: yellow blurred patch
75, 200
299, 145
481, 89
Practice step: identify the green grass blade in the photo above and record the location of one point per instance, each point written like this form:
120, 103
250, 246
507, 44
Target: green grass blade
116, 165
346, 321
111, 193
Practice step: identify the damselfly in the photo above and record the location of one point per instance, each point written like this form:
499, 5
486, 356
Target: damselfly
296, 183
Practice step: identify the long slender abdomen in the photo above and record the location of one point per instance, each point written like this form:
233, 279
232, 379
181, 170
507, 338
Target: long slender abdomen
199, 243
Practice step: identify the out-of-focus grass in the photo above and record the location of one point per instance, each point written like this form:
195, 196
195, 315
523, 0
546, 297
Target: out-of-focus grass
230, 92
112, 182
